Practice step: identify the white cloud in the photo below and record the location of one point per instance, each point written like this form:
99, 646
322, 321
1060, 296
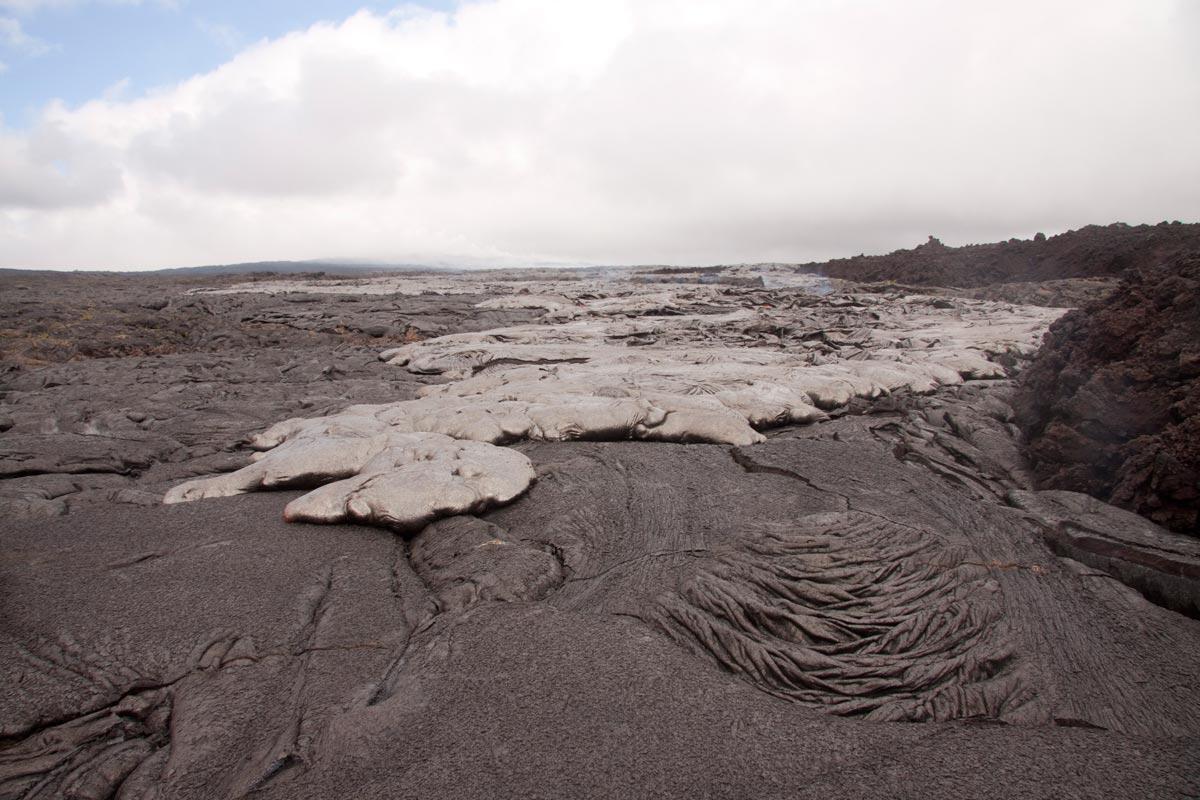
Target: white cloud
50, 169
636, 131
227, 36
28, 7
13, 36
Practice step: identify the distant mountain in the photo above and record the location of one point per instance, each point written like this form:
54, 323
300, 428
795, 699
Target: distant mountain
328, 267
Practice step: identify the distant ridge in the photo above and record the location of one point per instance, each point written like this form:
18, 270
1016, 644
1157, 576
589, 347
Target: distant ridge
1093, 251
329, 267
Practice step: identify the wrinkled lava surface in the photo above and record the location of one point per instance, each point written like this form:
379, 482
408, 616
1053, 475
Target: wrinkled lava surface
876, 604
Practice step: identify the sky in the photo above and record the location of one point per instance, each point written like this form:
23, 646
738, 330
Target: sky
151, 133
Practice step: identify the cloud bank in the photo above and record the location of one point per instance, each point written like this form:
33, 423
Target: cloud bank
674, 131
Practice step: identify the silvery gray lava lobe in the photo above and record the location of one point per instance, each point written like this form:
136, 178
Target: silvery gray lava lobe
613, 362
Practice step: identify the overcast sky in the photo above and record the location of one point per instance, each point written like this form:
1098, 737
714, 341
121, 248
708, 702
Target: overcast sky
146, 134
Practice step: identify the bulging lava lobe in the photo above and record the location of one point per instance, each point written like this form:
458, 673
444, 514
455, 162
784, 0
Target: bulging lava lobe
683, 365
395, 480
419, 478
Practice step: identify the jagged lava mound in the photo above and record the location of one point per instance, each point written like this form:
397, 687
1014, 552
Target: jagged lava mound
1111, 405
1094, 251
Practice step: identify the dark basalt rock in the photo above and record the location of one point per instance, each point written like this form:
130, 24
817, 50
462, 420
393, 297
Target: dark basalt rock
693, 613
1094, 251
651, 619
52, 318
1111, 406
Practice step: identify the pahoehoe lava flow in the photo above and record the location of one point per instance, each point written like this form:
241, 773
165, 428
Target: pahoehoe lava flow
707, 526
